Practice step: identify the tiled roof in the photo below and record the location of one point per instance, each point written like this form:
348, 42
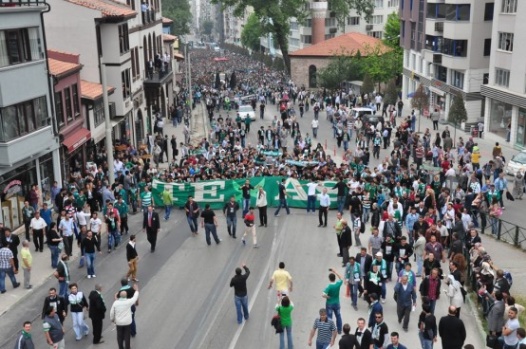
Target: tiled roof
92, 90
167, 20
58, 68
179, 56
350, 42
168, 37
107, 8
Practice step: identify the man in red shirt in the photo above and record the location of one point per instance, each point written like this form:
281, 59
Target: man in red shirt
249, 222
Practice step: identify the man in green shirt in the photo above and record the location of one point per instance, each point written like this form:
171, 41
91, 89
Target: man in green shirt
122, 207
166, 196
332, 296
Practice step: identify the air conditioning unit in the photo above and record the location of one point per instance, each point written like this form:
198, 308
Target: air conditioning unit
369, 27
111, 107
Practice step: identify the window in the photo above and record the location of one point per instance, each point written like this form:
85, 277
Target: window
441, 73
378, 3
488, 11
330, 22
20, 46
67, 104
98, 112
329, 36
75, 92
293, 25
458, 12
506, 41
133, 66
402, 29
456, 48
457, 79
126, 84
393, 3
509, 6
378, 19
131, 3
485, 79
312, 76
353, 20
23, 118
502, 77
124, 43
59, 111
307, 39
376, 34
487, 47
410, 5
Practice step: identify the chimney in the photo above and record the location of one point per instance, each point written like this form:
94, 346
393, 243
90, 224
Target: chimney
318, 13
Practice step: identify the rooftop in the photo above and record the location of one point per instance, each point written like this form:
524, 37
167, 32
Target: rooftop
93, 90
108, 8
167, 20
58, 68
168, 37
346, 43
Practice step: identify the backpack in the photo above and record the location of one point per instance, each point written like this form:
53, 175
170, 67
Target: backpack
507, 276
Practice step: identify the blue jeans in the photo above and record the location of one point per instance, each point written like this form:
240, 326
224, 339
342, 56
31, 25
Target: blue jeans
322, 345
288, 329
167, 211
426, 343
112, 239
336, 309
311, 203
365, 215
192, 222
341, 202
494, 225
90, 263
419, 264
63, 289
211, 228
432, 305
9, 272
282, 203
354, 293
241, 304
246, 206
55, 252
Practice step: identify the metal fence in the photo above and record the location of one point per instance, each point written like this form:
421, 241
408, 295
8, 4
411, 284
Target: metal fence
508, 232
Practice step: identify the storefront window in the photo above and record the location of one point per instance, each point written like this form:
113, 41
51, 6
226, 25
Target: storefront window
500, 117
47, 178
521, 128
14, 186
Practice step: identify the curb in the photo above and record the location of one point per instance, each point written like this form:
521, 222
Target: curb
476, 314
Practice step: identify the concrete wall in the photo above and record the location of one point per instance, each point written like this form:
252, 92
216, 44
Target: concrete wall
299, 68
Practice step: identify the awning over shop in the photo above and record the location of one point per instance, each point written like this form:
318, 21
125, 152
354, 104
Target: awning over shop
76, 139
437, 91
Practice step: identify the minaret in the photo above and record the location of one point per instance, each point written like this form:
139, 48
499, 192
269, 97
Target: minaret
318, 13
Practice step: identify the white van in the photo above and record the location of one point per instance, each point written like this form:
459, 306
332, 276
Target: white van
357, 112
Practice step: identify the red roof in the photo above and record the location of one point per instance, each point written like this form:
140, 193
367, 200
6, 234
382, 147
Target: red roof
108, 8
168, 37
350, 43
58, 68
92, 90
167, 20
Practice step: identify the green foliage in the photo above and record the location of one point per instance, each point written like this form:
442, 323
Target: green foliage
341, 8
457, 112
391, 36
378, 64
420, 100
367, 85
179, 12
391, 93
207, 27
252, 32
343, 66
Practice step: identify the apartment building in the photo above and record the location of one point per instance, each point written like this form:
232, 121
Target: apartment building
446, 49
505, 92
29, 143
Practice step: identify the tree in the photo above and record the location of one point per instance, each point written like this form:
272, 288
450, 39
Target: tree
275, 16
179, 12
343, 66
391, 93
252, 32
420, 102
395, 58
367, 85
207, 27
457, 113
380, 63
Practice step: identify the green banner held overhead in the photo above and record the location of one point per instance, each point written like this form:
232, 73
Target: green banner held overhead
218, 192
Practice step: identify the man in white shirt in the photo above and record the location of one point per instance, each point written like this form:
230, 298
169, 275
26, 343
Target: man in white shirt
325, 203
38, 225
314, 126
95, 224
311, 196
378, 101
121, 315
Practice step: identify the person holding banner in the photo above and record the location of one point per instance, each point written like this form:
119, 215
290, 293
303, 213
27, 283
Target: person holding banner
246, 196
261, 203
230, 211
192, 212
282, 198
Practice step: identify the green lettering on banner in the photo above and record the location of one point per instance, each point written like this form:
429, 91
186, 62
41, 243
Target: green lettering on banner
218, 192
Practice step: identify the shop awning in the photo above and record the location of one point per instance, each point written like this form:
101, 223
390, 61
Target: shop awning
76, 139
437, 91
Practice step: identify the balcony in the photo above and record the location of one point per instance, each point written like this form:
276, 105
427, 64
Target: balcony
369, 27
439, 27
158, 75
437, 59
148, 16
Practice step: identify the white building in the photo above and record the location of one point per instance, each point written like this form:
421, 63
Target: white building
505, 107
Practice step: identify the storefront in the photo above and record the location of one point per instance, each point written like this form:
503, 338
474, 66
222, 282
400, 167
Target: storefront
520, 137
73, 152
499, 118
15, 186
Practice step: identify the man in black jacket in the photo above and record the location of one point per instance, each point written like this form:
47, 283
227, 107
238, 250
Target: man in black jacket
57, 302
345, 241
97, 310
11, 241
132, 257
152, 226
451, 329
363, 335
430, 289
348, 341
239, 283
365, 260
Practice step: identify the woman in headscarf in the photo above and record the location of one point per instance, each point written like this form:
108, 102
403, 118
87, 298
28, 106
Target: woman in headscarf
454, 293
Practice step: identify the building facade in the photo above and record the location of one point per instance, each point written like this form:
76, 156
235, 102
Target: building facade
445, 49
29, 143
505, 92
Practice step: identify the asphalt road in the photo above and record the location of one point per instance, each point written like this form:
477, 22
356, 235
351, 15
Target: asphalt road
185, 298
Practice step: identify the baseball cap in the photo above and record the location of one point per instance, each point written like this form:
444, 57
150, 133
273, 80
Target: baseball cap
379, 254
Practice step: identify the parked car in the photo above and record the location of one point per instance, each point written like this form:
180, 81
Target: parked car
245, 110
517, 162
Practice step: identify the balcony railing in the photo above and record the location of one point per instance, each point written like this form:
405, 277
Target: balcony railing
14, 3
157, 74
148, 16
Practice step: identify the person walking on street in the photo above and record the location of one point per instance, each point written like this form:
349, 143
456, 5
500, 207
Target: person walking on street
27, 263
246, 188
250, 228
192, 212
97, 311
326, 331
395, 344
282, 198
427, 327
133, 258
239, 283
24, 339
261, 203
284, 309
405, 296
11, 241
353, 277
58, 303
62, 275
28, 212
53, 330
430, 288
130, 292
121, 316
345, 241
209, 223
282, 280
451, 329
7, 267
167, 202
348, 340
380, 331
151, 225
230, 211
88, 245
332, 296
77, 303
38, 226
325, 204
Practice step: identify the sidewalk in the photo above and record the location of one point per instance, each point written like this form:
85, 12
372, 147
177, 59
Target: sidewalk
42, 271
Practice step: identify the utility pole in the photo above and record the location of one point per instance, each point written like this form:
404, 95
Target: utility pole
109, 143
189, 74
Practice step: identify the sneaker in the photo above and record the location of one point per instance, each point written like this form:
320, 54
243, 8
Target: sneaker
276, 215
29, 287
383, 301
89, 276
94, 276
17, 285
243, 241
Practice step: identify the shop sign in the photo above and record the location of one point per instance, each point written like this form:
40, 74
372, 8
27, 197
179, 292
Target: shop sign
13, 188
